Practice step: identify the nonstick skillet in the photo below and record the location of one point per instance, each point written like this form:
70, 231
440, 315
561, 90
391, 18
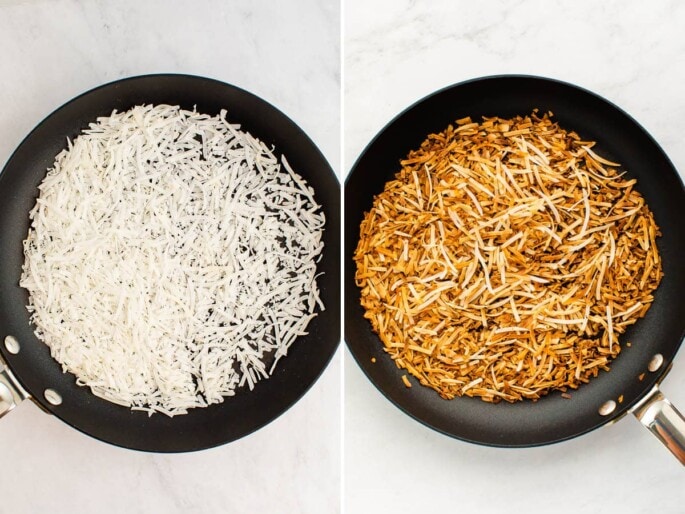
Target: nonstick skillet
31, 372
632, 383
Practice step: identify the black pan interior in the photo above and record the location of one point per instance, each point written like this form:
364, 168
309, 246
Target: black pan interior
619, 138
200, 428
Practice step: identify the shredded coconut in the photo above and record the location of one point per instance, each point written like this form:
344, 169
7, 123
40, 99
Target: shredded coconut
171, 259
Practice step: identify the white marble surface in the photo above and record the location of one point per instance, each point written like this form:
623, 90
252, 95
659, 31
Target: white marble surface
53, 50
396, 52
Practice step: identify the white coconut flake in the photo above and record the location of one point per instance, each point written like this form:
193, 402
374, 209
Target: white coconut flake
171, 259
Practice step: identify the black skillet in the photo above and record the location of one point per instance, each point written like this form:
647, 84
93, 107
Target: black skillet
33, 367
553, 418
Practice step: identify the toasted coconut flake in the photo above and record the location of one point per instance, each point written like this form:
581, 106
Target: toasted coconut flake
406, 381
505, 260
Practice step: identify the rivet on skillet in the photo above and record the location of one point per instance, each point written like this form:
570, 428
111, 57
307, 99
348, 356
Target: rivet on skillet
12, 345
655, 363
53, 397
607, 408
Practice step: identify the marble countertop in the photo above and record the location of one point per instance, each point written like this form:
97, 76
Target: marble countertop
52, 51
395, 53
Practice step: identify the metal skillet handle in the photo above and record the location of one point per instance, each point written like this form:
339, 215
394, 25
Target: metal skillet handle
11, 392
663, 420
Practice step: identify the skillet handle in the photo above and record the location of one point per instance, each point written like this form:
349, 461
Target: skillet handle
663, 420
11, 392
